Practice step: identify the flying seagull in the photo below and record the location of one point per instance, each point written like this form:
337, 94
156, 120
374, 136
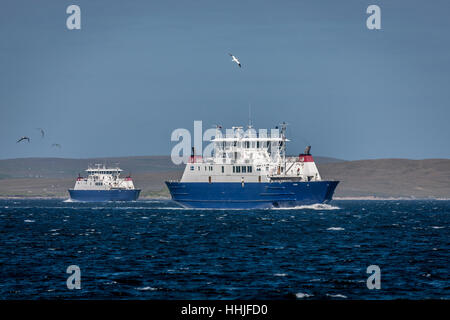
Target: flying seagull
234, 59
42, 132
56, 145
23, 138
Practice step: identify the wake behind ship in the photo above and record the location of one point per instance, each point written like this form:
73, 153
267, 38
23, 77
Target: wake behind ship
250, 170
104, 184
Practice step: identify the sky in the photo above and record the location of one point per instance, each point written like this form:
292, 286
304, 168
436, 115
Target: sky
137, 70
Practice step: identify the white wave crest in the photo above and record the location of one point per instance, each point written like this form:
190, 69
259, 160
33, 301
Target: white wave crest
301, 295
337, 296
147, 289
335, 229
316, 206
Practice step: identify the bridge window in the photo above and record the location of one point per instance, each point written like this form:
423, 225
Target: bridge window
234, 169
192, 168
249, 169
244, 169
238, 169
223, 169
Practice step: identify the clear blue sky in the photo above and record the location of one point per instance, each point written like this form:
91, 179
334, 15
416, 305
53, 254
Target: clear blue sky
139, 69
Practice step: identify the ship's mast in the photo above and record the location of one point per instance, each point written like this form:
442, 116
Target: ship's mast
283, 147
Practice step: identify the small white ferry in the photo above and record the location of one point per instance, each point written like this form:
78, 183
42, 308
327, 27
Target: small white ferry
104, 184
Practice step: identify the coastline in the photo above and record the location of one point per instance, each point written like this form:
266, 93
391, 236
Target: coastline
388, 198
365, 198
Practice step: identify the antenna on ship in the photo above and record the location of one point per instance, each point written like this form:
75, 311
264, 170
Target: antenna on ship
249, 115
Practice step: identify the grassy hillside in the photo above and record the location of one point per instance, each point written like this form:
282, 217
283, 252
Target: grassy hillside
390, 177
51, 177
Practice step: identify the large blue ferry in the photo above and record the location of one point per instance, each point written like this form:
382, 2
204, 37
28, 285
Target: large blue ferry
104, 184
249, 170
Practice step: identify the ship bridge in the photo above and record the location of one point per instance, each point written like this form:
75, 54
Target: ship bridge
101, 169
250, 146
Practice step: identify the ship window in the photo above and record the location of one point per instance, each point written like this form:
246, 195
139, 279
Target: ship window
198, 168
238, 169
234, 169
223, 169
249, 169
211, 168
192, 168
244, 169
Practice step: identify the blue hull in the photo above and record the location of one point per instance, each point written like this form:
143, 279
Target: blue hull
251, 195
104, 195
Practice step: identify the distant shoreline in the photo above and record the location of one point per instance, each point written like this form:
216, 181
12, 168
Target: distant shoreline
370, 198
387, 198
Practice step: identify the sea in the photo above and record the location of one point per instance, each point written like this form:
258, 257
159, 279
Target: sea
155, 249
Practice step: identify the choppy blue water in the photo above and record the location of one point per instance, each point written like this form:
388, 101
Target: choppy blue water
156, 250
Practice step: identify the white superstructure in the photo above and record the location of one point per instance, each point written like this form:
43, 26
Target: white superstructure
250, 157
102, 178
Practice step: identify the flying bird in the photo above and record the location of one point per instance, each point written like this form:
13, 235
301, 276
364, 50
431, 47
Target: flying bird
23, 138
56, 145
42, 132
234, 59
